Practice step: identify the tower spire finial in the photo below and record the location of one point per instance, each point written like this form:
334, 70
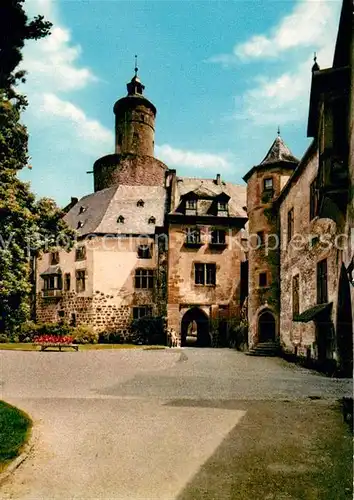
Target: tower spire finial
136, 65
315, 66
278, 131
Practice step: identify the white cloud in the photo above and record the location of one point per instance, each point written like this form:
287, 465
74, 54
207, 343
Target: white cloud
84, 127
307, 25
174, 157
53, 62
277, 99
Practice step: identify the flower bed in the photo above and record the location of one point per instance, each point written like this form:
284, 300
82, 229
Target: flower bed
53, 340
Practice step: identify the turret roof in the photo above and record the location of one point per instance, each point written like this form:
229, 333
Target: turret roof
278, 152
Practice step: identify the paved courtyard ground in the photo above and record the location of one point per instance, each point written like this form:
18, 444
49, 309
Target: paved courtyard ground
177, 424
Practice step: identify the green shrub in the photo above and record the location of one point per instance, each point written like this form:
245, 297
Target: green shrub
3, 338
27, 331
110, 337
149, 330
60, 329
85, 334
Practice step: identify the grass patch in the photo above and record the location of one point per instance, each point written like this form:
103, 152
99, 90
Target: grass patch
15, 428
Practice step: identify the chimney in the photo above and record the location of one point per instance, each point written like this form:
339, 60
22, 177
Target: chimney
218, 179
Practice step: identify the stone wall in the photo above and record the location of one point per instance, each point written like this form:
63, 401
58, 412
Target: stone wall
110, 295
183, 293
300, 257
261, 260
130, 169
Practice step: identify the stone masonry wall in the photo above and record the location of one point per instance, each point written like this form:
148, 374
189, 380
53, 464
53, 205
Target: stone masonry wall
133, 170
183, 293
300, 257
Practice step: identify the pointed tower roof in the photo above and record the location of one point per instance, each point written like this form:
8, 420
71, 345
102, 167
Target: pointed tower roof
135, 87
278, 152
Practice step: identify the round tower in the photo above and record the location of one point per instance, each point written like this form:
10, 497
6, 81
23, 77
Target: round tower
264, 184
133, 162
135, 121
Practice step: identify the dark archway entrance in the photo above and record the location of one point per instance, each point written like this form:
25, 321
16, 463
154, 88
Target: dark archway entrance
344, 328
195, 328
266, 327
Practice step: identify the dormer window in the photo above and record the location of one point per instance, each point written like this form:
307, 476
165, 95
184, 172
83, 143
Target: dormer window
82, 210
222, 206
268, 184
120, 219
140, 203
152, 220
191, 205
80, 224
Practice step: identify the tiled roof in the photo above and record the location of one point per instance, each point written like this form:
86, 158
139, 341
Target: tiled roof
279, 151
210, 188
98, 212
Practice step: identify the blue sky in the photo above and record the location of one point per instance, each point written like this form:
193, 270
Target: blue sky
223, 75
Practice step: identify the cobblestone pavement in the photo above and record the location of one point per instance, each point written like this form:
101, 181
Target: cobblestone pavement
168, 424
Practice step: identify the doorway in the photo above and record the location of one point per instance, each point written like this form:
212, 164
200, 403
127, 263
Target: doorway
195, 329
266, 327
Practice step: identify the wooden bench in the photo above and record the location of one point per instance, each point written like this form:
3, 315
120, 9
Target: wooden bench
57, 345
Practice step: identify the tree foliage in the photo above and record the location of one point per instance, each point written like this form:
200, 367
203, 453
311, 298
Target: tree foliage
26, 225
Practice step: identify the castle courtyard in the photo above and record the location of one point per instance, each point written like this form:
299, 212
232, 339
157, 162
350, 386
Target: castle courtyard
176, 424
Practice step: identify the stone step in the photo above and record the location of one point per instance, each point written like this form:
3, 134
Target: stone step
264, 349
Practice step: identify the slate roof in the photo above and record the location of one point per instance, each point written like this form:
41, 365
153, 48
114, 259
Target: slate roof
98, 212
314, 312
208, 188
279, 151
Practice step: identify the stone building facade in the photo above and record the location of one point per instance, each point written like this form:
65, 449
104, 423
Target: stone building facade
199, 250
149, 242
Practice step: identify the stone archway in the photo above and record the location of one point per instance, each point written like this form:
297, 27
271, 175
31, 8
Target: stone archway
266, 327
195, 328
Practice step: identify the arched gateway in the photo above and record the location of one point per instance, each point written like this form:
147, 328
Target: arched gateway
266, 327
195, 328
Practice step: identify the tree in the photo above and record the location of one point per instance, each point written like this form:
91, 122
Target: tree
15, 29
26, 225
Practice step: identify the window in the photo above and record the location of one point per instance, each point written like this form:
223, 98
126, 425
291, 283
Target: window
67, 282
144, 278
260, 238
120, 219
80, 253
144, 252
263, 279
222, 206
73, 319
193, 236
80, 280
79, 224
218, 237
140, 203
296, 295
268, 184
52, 282
152, 220
54, 258
191, 204
61, 314
290, 224
141, 311
205, 274
49, 282
82, 210
313, 199
322, 287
